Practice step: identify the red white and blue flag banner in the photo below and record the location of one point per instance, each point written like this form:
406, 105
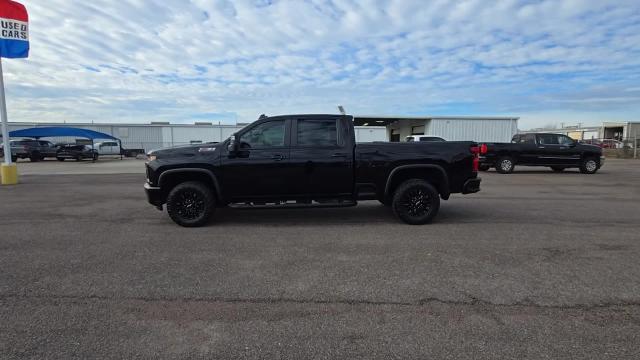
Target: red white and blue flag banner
14, 30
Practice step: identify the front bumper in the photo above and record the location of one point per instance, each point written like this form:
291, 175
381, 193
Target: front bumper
154, 195
471, 186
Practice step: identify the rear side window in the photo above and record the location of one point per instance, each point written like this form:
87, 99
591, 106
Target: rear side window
317, 132
548, 139
529, 139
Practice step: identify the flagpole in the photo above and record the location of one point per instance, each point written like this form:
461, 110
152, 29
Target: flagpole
8, 171
3, 115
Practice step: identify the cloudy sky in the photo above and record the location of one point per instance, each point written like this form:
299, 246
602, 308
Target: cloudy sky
217, 60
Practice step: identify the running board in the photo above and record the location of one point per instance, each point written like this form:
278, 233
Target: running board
292, 205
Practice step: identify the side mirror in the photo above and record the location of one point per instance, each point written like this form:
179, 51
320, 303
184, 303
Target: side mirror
233, 144
574, 143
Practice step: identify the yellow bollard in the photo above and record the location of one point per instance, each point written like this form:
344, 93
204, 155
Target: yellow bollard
9, 174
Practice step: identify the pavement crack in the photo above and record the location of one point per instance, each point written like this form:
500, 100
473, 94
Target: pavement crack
470, 301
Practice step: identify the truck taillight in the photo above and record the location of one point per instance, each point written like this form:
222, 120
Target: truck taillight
475, 150
483, 149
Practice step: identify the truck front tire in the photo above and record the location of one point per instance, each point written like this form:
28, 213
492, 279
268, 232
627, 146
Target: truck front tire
589, 166
416, 202
190, 204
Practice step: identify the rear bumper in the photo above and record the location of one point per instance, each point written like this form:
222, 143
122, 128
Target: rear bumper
601, 161
471, 186
154, 195
484, 160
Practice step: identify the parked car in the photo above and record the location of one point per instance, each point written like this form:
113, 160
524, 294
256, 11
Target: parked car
423, 138
308, 161
556, 151
113, 148
605, 143
34, 150
77, 152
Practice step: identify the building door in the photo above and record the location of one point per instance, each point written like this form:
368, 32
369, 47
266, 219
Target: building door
395, 135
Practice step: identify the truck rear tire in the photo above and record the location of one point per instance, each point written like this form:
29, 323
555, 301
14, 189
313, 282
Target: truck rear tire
416, 202
190, 204
505, 165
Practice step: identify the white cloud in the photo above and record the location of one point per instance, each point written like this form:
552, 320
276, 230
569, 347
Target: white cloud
135, 60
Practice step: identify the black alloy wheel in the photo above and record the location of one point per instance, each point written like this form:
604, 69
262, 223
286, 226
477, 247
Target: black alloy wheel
416, 202
190, 204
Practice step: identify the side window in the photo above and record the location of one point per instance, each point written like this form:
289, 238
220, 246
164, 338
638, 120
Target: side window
317, 132
529, 139
265, 135
564, 140
548, 139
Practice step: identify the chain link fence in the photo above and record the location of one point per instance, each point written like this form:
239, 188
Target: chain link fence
625, 148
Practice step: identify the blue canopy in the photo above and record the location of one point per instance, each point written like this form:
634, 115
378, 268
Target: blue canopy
39, 132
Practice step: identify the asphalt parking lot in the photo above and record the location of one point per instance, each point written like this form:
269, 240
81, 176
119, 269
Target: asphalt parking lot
537, 265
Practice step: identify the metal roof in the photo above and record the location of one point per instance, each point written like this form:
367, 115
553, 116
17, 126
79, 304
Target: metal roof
386, 120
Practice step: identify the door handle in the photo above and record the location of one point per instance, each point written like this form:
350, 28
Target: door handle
277, 157
540, 147
339, 155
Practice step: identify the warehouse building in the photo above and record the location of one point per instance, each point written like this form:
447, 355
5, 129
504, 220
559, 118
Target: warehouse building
619, 131
368, 128
162, 134
451, 128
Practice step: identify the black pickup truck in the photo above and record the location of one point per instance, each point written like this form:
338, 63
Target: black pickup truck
556, 151
308, 161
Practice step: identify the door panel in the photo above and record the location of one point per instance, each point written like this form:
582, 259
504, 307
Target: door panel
528, 149
261, 167
322, 162
556, 150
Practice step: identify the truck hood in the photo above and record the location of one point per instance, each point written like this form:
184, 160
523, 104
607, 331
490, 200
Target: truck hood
184, 150
589, 147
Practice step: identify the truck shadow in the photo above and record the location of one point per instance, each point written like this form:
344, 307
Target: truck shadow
365, 213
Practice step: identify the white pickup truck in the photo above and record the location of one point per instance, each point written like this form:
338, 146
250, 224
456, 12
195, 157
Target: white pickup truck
113, 148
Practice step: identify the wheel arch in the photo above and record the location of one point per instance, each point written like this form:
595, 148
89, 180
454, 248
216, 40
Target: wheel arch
168, 179
432, 173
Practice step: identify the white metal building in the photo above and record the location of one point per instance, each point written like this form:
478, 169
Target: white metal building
371, 128
157, 135
451, 128
619, 131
